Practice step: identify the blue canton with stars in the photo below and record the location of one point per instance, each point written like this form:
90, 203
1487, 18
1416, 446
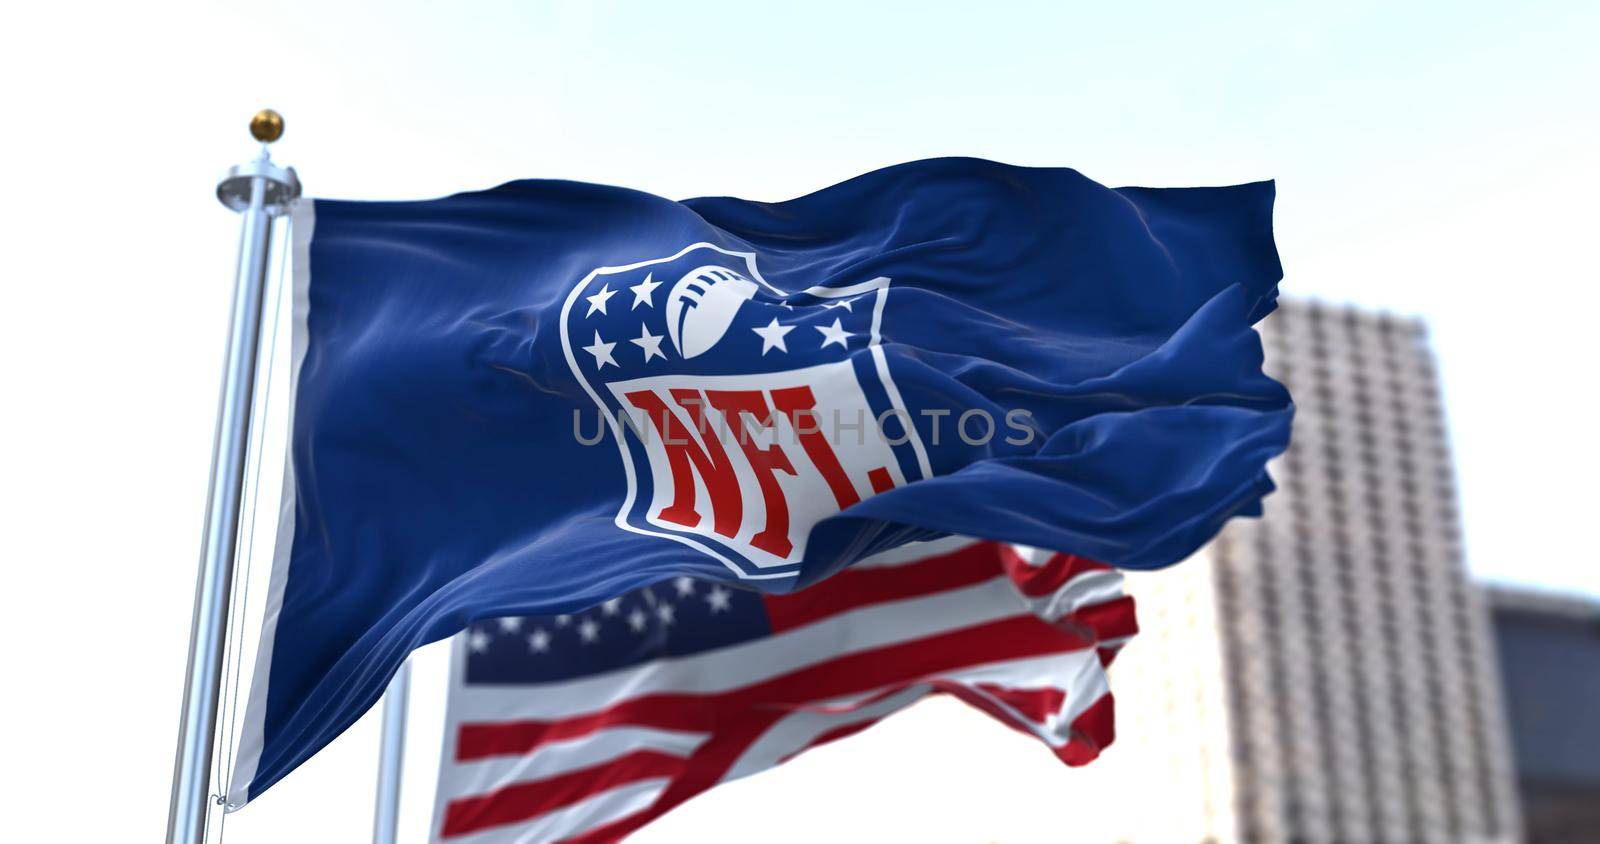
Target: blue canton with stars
679, 617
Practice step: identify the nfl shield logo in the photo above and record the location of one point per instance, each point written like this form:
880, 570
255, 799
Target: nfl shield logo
744, 414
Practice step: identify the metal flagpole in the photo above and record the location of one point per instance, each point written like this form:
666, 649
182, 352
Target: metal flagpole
391, 757
260, 191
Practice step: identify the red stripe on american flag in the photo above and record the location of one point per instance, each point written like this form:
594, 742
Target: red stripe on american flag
1016, 637
528, 800
1108, 620
1092, 731
1036, 581
1036, 705
854, 588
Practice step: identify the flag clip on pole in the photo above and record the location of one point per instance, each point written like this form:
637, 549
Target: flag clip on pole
260, 191
391, 757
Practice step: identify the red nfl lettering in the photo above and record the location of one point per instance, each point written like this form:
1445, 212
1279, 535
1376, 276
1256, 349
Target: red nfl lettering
734, 406
799, 405
684, 451
746, 415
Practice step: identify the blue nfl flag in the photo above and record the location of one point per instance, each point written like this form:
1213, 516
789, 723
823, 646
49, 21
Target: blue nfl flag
528, 400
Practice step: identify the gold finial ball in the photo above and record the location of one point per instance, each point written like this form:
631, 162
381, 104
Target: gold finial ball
266, 126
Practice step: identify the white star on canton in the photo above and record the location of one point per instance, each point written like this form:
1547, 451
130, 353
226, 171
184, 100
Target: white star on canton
637, 619
478, 641
840, 303
772, 336
642, 291
510, 625
589, 630
685, 586
664, 612
611, 607
563, 620
602, 352
651, 343
597, 302
830, 333
539, 641
720, 599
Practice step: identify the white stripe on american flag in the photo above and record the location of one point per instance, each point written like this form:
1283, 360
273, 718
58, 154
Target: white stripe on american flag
590, 812
1090, 587
478, 776
629, 764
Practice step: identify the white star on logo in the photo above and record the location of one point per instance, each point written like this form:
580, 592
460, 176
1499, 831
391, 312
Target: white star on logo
651, 343
539, 641
510, 625
641, 293
830, 333
478, 641
772, 336
602, 352
611, 607
685, 586
664, 612
720, 599
589, 630
597, 302
636, 620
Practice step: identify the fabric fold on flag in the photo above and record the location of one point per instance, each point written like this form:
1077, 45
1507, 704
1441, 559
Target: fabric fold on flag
585, 727
532, 399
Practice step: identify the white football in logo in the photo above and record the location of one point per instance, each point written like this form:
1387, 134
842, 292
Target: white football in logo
702, 305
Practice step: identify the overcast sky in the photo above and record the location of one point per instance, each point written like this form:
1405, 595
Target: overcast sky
1436, 160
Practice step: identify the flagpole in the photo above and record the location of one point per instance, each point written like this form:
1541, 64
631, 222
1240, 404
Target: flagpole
260, 191
391, 757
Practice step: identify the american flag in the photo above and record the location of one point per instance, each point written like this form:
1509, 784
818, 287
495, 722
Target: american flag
585, 727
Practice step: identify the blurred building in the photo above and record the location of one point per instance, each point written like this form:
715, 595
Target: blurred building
1550, 657
1323, 674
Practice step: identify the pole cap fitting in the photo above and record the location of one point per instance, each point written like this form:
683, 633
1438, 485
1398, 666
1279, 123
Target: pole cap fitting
280, 186
266, 126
